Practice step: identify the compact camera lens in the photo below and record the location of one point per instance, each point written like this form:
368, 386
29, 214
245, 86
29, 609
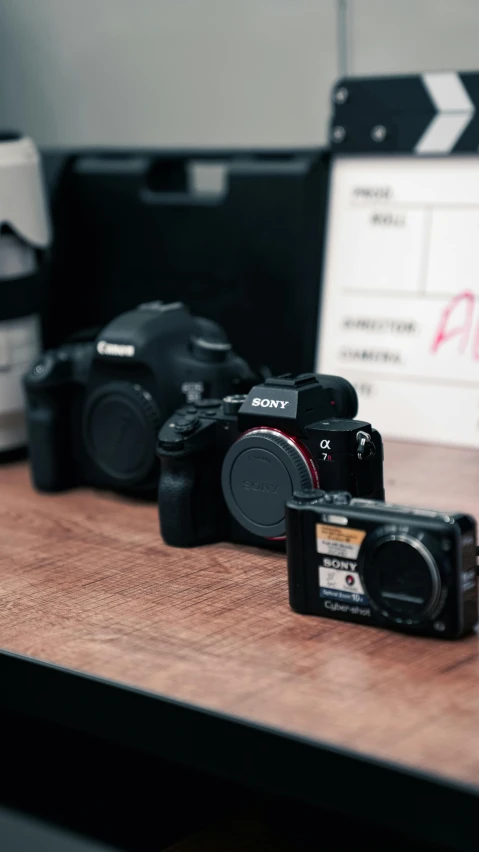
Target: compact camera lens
402, 577
261, 470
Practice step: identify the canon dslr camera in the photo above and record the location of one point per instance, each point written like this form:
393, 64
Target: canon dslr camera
380, 564
228, 467
94, 408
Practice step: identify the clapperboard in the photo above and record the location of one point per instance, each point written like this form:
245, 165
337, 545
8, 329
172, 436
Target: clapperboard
399, 310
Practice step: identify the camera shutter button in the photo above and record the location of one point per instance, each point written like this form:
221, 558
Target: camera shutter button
186, 424
341, 498
309, 495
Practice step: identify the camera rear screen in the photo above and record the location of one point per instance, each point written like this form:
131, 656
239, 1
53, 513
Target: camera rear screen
400, 298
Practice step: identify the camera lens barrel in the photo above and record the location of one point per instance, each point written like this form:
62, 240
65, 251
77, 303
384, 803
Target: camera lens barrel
400, 572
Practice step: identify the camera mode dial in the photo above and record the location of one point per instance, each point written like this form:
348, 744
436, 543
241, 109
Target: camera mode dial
233, 403
51, 367
261, 470
213, 351
121, 423
365, 446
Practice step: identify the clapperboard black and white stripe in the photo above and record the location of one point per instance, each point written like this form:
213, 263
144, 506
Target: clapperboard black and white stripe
425, 114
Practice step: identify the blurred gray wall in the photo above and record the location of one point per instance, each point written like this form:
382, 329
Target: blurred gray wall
208, 72
405, 36
167, 72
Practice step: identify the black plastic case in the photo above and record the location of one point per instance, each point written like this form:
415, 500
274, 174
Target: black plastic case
235, 235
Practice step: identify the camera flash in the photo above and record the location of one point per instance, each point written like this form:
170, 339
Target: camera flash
335, 519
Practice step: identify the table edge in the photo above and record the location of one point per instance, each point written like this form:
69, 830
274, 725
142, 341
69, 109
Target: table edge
433, 807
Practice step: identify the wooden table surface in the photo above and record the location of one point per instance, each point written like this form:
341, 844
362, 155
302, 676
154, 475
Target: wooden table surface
87, 583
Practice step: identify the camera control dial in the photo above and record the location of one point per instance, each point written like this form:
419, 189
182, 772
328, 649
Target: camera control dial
121, 423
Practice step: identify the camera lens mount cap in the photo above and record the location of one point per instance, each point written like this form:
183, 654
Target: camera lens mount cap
261, 470
120, 428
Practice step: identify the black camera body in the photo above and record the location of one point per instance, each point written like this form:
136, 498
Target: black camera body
94, 408
376, 563
228, 467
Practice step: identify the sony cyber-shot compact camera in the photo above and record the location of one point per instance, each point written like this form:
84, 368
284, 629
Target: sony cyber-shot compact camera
94, 408
229, 466
377, 563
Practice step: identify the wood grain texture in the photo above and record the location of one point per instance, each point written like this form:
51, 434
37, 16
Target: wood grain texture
87, 583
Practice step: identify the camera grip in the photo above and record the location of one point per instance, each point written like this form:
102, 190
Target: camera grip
175, 489
297, 569
188, 505
46, 438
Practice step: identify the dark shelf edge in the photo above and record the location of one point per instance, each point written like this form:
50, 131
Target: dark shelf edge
426, 806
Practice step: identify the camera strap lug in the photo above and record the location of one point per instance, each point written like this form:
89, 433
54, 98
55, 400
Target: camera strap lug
366, 448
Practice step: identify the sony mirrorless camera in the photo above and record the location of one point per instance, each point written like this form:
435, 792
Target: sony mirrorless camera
381, 564
94, 408
229, 466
